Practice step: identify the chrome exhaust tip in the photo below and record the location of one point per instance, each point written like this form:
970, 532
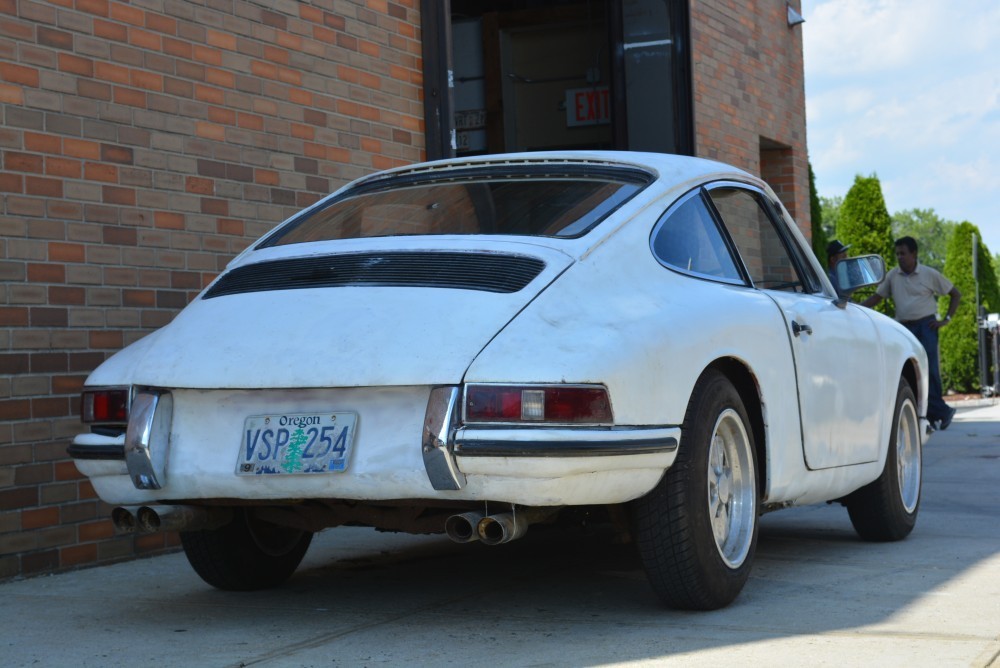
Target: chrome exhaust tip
463, 528
150, 519
501, 528
124, 519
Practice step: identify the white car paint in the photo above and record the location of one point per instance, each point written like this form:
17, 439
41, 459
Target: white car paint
379, 351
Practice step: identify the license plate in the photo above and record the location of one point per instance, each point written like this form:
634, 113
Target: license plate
296, 443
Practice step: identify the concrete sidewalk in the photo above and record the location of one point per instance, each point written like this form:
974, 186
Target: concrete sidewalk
818, 596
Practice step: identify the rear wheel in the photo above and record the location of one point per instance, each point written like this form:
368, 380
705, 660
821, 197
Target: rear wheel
246, 554
697, 530
886, 509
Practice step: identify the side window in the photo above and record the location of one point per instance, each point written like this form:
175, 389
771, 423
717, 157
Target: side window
687, 238
766, 259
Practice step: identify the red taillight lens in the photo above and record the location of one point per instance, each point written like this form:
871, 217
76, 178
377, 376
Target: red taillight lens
109, 406
563, 404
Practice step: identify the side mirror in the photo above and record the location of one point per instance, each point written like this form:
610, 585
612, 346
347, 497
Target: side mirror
858, 272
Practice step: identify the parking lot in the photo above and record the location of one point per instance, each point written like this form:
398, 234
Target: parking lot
818, 596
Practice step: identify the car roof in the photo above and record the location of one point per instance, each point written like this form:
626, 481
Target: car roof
660, 165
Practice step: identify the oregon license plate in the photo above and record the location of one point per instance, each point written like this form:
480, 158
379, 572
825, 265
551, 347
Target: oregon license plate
296, 443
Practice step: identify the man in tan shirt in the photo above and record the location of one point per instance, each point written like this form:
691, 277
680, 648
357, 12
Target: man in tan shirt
914, 289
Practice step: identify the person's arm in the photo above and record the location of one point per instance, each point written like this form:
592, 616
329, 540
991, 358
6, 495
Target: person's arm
955, 297
874, 300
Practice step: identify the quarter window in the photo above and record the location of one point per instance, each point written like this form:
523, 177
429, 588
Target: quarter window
687, 238
764, 254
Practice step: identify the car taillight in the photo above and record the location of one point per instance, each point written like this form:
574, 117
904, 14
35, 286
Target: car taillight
560, 404
105, 406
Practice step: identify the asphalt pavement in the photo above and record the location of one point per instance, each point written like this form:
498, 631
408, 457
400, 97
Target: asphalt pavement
818, 596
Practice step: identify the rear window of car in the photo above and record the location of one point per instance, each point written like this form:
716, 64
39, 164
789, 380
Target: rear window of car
564, 205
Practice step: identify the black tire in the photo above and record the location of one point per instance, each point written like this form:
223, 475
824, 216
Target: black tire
246, 554
697, 529
886, 509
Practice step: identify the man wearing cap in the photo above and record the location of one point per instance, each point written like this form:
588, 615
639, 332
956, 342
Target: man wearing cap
914, 288
835, 252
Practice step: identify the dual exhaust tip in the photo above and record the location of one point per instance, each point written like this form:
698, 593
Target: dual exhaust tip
150, 519
462, 528
493, 529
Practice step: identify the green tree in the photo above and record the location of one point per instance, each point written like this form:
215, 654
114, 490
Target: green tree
959, 341
829, 214
930, 230
864, 223
819, 238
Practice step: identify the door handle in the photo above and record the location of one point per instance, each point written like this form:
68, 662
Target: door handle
799, 329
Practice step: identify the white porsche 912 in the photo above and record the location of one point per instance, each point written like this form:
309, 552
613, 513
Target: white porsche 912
475, 345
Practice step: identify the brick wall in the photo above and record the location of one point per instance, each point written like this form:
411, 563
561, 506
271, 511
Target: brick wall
749, 94
142, 145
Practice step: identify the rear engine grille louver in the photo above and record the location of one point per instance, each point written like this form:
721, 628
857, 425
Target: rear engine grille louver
463, 271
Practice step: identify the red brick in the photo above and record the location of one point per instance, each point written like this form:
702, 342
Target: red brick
12, 316
57, 39
206, 55
62, 167
110, 30
176, 47
11, 94
39, 562
39, 517
150, 542
120, 154
46, 273
117, 195
161, 23
334, 21
11, 183
214, 207
185, 280
168, 220
98, 7
90, 531
106, 339
96, 171
15, 409
93, 89
67, 384
121, 236
23, 162
129, 96
81, 148
76, 555
49, 407
139, 298
14, 363
194, 184
19, 74
49, 317
111, 72
147, 80
220, 115
66, 252
127, 14
67, 471
71, 296
43, 187
250, 121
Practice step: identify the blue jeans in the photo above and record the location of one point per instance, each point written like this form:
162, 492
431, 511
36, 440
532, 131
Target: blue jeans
937, 409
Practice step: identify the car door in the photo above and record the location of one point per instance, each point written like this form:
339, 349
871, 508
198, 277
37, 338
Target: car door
836, 348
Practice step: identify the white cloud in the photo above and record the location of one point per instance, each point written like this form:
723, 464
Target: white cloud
851, 37
909, 90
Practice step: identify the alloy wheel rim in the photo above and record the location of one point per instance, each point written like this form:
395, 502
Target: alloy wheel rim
908, 456
732, 499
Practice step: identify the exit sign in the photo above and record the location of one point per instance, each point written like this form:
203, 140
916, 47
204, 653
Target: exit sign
588, 106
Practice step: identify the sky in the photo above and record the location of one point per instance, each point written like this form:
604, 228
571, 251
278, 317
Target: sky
908, 90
